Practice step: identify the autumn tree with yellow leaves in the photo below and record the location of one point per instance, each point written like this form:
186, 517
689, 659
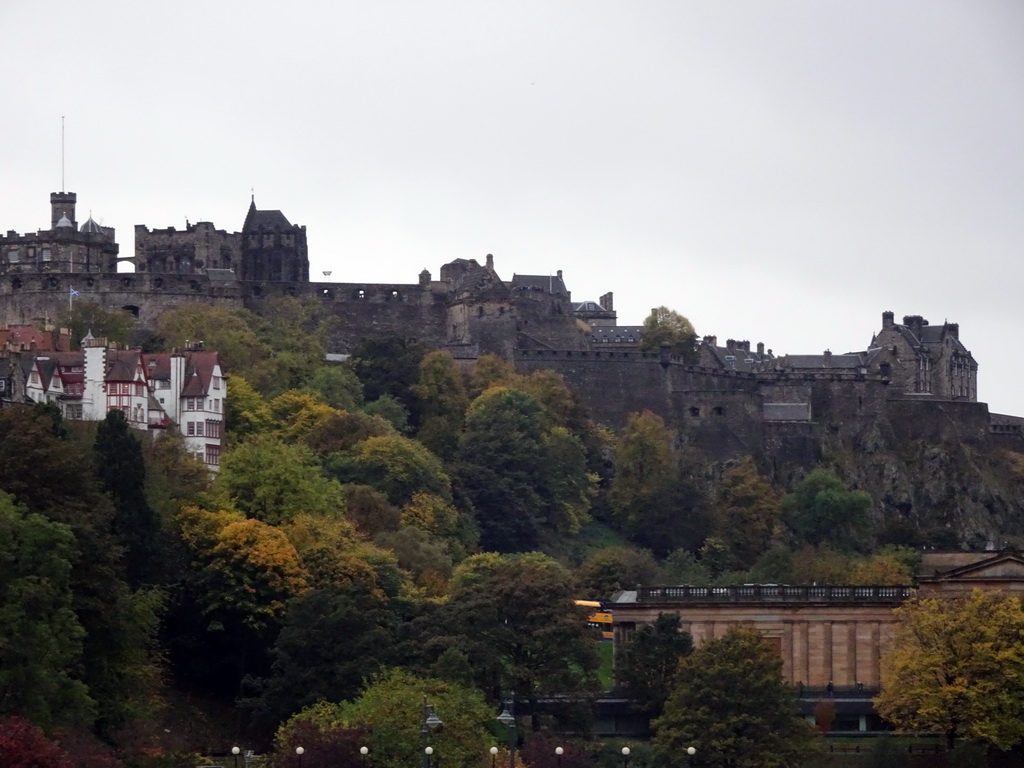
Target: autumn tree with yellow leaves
957, 667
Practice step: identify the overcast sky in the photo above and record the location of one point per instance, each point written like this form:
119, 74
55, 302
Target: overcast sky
777, 171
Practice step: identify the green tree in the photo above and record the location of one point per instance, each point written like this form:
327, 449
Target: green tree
229, 331
338, 386
821, 509
246, 412
40, 635
390, 711
88, 317
397, 466
388, 366
391, 410
122, 472
332, 639
227, 611
731, 702
502, 457
490, 371
441, 391
652, 501
568, 488
295, 413
745, 516
342, 430
515, 618
613, 568
666, 326
956, 666
274, 481
53, 475
647, 664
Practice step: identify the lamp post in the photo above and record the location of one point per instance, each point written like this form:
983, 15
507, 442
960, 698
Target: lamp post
363, 752
235, 751
494, 754
690, 752
625, 757
298, 753
430, 722
558, 755
508, 719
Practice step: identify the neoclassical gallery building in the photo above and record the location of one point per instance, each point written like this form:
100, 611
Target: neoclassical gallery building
825, 634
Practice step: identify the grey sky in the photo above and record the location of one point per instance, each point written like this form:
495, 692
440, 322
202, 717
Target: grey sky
776, 171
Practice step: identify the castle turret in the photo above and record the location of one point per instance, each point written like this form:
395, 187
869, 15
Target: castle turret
62, 204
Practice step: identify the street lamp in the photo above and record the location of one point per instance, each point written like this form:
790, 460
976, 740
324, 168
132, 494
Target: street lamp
494, 754
363, 752
235, 751
625, 757
508, 719
558, 754
298, 752
430, 722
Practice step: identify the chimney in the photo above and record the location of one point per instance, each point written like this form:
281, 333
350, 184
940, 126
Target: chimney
490, 262
760, 348
887, 320
915, 323
953, 329
606, 302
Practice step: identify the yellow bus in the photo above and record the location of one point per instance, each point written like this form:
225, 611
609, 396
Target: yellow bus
598, 618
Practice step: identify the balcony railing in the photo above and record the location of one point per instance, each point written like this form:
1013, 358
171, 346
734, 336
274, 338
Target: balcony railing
782, 593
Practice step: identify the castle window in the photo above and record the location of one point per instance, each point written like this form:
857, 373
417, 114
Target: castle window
360, 294
719, 411
480, 311
694, 412
47, 255
13, 256
394, 294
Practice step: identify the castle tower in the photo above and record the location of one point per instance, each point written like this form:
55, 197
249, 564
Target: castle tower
273, 249
62, 204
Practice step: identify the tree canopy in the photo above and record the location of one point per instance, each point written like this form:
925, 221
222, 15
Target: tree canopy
666, 326
729, 698
957, 667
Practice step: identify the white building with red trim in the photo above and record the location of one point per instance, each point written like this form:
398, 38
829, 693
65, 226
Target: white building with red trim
181, 390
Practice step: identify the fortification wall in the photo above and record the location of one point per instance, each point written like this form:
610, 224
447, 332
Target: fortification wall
27, 298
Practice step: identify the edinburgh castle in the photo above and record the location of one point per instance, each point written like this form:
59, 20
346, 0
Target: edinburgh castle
913, 382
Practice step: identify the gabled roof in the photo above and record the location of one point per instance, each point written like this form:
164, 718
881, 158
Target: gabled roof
46, 368
617, 334
1005, 565
256, 219
123, 365
199, 370
546, 283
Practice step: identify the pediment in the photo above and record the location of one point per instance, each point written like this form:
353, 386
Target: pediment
1002, 566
